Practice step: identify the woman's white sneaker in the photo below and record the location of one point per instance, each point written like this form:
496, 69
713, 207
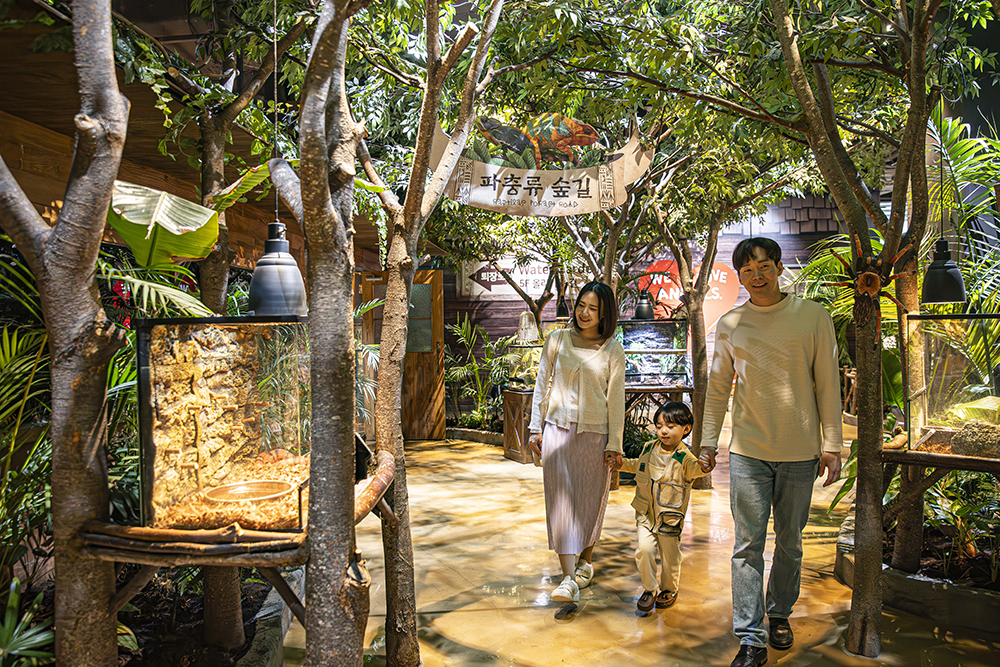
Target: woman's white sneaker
584, 574
567, 591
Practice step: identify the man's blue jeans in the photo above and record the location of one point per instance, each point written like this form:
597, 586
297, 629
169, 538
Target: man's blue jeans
755, 487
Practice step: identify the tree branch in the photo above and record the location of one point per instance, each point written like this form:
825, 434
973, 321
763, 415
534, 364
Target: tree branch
267, 66
873, 131
392, 71
703, 97
911, 495
463, 126
289, 187
388, 198
493, 73
861, 64
455, 51
19, 219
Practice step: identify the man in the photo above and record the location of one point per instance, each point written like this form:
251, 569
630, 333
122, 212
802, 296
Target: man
787, 430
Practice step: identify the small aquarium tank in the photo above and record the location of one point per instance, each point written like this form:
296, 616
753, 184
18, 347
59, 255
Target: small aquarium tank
957, 410
655, 352
224, 422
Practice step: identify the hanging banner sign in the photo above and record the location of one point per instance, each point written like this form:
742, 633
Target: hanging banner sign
545, 192
666, 292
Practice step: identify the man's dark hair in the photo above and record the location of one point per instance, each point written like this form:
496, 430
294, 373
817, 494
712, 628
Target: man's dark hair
674, 413
609, 308
744, 251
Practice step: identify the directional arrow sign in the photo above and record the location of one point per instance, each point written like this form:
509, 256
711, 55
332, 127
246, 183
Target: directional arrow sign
487, 277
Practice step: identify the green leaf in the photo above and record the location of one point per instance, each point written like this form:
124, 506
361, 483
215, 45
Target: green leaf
162, 228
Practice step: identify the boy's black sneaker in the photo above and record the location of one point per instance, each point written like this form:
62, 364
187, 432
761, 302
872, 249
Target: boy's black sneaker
779, 634
750, 656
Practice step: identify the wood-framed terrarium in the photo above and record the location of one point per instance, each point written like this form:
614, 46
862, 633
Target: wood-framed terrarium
956, 413
224, 422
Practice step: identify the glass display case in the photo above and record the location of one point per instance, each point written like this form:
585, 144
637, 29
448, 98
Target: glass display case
956, 411
224, 422
655, 352
522, 366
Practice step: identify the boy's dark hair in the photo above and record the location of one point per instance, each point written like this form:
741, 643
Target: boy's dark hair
609, 308
744, 251
674, 413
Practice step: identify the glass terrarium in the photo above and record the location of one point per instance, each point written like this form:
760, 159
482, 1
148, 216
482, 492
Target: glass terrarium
224, 422
957, 410
522, 365
655, 352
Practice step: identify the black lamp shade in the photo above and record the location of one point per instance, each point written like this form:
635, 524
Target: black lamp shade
562, 308
943, 281
644, 307
277, 287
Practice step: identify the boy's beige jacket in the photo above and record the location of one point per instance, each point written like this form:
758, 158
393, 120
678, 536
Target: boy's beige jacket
663, 499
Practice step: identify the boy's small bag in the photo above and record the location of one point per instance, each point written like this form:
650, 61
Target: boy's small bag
543, 406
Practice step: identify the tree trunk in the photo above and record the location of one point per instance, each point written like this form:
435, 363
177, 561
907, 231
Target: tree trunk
863, 637
402, 648
81, 339
910, 522
214, 269
85, 627
223, 609
337, 583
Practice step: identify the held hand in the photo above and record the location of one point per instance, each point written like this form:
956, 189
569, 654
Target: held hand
535, 443
831, 462
707, 459
613, 460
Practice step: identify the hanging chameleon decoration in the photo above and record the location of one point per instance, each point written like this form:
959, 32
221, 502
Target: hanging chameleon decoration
869, 282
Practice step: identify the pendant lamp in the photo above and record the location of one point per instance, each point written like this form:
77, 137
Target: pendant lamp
644, 307
277, 287
943, 281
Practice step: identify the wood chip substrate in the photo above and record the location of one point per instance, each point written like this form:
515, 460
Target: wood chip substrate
196, 511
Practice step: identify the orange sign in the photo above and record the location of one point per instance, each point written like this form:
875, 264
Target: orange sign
666, 292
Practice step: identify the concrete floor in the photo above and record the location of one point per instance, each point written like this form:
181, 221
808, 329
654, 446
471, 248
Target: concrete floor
484, 574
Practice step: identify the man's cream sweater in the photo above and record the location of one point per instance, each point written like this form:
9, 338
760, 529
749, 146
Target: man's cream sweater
588, 387
786, 403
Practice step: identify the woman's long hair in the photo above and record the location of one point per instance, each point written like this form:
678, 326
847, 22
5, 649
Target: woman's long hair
608, 308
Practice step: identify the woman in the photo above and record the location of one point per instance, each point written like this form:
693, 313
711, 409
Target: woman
577, 418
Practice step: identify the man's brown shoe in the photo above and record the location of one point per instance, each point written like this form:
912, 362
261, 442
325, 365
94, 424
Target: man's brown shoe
666, 599
750, 656
645, 603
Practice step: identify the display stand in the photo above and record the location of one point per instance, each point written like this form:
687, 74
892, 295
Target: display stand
516, 419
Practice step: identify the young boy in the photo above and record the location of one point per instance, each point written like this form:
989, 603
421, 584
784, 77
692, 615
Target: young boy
664, 472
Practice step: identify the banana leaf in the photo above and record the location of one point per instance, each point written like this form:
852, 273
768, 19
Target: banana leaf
161, 228
254, 176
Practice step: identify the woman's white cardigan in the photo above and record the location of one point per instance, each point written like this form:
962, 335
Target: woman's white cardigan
595, 378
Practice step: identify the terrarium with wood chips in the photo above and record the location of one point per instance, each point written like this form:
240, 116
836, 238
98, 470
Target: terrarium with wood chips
224, 421
956, 408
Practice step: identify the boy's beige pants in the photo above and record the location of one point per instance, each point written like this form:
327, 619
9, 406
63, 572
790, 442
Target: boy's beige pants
670, 558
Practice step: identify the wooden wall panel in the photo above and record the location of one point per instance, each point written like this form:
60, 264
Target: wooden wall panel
40, 160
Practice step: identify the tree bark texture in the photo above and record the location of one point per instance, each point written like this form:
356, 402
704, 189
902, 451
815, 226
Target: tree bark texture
214, 269
337, 583
223, 608
407, 221
81, 339
909, 539
863, 636
223, 611
402, 647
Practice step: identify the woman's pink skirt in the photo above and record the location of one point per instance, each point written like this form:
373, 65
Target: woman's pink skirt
576, 487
